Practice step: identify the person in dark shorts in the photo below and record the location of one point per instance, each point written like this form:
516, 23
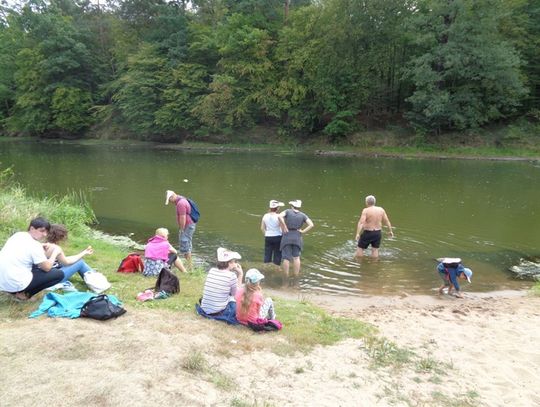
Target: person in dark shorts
368, 230
292, 242
370, 237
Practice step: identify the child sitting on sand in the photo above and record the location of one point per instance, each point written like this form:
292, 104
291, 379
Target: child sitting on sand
250, 303
159, 253
451, 270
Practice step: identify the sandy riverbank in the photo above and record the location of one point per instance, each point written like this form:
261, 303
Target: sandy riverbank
482, 350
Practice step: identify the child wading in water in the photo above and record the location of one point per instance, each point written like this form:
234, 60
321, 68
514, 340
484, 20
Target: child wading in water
250, 303
160, 253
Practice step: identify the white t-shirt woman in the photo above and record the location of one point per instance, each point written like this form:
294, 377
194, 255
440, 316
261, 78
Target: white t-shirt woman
271, 228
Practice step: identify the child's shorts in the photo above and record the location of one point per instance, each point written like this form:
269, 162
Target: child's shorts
444, 278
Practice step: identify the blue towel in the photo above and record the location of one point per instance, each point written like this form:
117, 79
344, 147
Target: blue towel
228, 315
66, 306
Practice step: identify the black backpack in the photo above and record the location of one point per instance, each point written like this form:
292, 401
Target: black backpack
100, 307
167, 281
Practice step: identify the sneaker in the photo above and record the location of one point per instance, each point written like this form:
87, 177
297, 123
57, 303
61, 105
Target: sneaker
55, 287
161, 295
68, 287
145, 296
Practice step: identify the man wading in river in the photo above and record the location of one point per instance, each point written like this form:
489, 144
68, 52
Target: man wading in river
186, 226
368, 231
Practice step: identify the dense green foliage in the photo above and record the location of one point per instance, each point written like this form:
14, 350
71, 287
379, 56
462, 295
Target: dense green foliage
170, 70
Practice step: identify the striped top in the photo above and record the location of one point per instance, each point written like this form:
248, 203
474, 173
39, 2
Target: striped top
219, 287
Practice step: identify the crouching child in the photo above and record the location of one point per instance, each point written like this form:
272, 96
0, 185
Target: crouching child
451, 270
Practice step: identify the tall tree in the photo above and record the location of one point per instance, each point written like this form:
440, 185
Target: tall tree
10, 45
139, 90
53, 64
239, 89
342, 57
467, 74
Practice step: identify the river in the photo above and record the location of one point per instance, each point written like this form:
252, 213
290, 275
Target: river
485, 212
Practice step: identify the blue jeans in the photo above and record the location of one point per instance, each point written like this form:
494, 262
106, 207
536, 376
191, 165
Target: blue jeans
78, 267
185, 238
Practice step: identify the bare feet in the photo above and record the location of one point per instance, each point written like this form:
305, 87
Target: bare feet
20, 297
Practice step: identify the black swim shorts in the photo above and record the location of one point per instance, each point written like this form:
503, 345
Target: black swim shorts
370, 237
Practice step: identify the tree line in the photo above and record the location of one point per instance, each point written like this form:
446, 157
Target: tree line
167, 70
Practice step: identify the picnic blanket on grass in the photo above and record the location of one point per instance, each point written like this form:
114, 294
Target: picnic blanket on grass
67, 305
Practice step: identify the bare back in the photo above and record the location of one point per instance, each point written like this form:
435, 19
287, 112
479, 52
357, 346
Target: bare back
372, 218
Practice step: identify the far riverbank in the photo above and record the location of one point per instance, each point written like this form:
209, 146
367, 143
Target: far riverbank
388, 150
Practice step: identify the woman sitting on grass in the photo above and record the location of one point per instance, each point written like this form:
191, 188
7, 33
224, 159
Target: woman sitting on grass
159, 253
251, 305
68, 264
24, 268
220, 286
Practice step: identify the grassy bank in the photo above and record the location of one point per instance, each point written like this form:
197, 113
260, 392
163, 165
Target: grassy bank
306, 325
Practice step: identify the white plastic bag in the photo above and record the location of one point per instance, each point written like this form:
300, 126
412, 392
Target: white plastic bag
96, 281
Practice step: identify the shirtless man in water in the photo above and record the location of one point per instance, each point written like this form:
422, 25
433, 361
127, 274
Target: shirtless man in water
368, 231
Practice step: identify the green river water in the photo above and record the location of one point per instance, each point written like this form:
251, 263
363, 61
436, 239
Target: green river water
486, 212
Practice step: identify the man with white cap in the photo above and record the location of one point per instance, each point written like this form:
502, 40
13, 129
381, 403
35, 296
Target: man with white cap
292, 242
221, 283
368, 230
451, 270
186, 226
271, 228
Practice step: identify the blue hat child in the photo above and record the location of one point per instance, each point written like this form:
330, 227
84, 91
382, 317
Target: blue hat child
253, 276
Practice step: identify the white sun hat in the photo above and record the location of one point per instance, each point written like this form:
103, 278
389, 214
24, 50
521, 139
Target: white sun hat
297, 203
227, 255
168, 195
275, 204
449, 260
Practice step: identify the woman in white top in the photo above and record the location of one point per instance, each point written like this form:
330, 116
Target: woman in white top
271, 229
25, 269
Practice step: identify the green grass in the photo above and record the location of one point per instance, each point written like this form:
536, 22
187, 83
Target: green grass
195, 362
385, 353
468, 399
238, 402
307, 325
428, 365
222, 381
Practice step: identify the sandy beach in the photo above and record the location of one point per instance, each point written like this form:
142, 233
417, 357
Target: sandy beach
482, 350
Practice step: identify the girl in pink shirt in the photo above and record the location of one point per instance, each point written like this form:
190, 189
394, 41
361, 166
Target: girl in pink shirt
250, 303
159, 253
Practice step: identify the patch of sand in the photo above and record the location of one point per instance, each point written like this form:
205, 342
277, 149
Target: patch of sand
486, 348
